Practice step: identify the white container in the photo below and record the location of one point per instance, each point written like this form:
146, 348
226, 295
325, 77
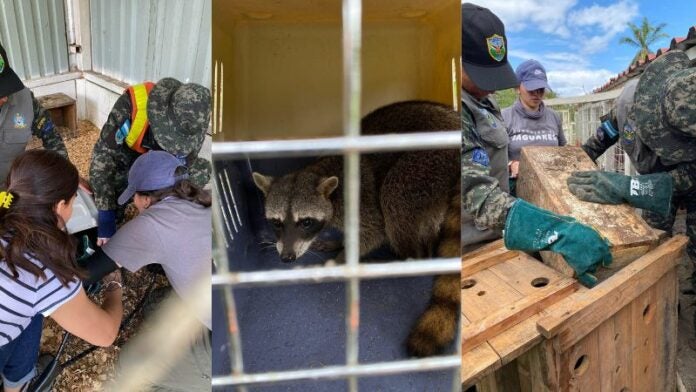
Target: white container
84, 216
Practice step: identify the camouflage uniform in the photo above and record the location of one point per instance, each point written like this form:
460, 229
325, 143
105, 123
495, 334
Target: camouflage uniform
484, 204
654, 147
42, 127
110, 163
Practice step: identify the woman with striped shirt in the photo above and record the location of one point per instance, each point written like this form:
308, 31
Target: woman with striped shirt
38, 273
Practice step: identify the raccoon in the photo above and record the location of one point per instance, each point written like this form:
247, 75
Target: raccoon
409, 201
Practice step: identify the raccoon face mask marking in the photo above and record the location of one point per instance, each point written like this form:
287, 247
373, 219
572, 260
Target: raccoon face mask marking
297, 209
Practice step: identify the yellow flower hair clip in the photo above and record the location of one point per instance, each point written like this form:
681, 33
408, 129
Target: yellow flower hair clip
6, 199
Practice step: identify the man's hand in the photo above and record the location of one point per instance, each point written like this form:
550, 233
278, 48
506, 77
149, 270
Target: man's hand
514, 167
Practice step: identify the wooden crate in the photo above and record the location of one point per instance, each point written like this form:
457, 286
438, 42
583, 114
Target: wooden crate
620, 335
504, 293
62, 109
542, 181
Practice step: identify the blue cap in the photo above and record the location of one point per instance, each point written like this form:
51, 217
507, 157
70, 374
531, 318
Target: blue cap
532, 75
152, 171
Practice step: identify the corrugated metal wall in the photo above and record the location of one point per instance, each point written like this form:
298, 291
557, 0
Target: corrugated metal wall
33, 34
136, 40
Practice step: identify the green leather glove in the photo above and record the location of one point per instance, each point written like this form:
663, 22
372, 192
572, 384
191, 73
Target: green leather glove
650, 191
531, 229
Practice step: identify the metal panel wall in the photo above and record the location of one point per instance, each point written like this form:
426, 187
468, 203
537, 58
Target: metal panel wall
136, 40
33, 34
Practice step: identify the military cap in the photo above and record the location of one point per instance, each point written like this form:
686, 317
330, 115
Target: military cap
664, 108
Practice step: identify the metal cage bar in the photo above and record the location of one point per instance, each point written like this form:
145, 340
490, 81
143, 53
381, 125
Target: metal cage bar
351, 145
352, 32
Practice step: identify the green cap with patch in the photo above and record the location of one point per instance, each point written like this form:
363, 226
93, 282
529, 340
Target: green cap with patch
179, 115
9, 81
664, 108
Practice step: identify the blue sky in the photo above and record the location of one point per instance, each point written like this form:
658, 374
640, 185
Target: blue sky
577, 40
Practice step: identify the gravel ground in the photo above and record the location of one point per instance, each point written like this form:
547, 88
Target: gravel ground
93, 370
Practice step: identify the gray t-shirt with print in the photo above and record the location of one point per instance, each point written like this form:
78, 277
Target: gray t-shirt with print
174, 233
543, 128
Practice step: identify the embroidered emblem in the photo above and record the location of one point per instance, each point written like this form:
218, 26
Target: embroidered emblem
480, 156
496, 47
629, 134
19, 121
122, 132
489, 117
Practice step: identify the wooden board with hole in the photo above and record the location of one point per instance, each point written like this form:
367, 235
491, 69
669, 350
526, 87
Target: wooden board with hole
618, 336
504, 293
542, 181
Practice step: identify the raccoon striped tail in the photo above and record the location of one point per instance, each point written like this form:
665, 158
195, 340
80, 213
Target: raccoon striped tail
437, 326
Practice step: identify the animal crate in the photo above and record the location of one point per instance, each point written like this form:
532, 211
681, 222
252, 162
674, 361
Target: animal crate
282, 65
542, 181
62, 109
620, 335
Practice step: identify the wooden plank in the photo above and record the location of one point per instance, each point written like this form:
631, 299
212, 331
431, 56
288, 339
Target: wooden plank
517, 339
620, 348
666, 323
542, 181
580, 369
477, 362
526, 274
644, 342
488, 294
538, 368
500, 320
505, 379
472, 264
608, 360
498, 244
57, 100
577, 315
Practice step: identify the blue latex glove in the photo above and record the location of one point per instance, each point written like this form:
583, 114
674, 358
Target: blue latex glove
106, 221
531, 229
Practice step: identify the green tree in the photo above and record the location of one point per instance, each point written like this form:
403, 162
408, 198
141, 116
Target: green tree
642, 37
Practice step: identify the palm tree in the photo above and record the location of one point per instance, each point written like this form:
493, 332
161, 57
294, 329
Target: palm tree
643, 37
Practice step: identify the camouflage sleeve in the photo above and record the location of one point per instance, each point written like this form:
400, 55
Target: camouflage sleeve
481, 195
43, 128
199, 172
108, 169
595, 146
684, 178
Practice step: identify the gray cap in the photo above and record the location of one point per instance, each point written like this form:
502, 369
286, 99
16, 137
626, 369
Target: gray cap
152, 171
532, 75
664, 108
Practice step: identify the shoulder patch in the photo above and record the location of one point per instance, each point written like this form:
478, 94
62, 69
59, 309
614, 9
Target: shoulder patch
629, 134
480, 156
19, 121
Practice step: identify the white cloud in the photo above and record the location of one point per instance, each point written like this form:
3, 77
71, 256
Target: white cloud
598, 26
549, 16
582, 30
579, 81
611, 19
591, 28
